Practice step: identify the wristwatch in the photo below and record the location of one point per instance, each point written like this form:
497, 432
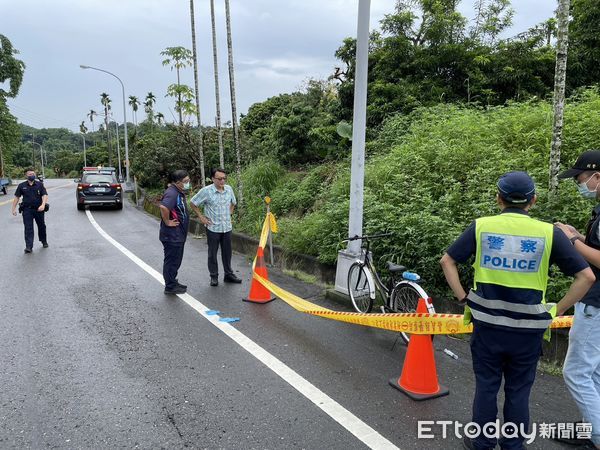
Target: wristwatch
574, 239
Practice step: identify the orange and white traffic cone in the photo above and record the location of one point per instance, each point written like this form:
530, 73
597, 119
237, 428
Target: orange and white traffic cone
259, 293
419, 375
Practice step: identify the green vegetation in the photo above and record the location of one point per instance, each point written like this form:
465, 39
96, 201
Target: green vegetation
428, 176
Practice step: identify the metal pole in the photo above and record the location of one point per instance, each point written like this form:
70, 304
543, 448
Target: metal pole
119, 152
268, 200
124, 118
84, 155
357, 175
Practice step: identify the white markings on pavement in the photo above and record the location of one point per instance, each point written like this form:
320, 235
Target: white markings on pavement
337, 412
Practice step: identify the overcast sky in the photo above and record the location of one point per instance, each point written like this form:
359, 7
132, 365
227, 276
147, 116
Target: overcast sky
277, 45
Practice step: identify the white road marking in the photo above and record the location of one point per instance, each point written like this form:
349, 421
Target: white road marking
337, 412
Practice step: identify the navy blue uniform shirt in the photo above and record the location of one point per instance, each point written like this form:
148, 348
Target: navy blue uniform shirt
563, 254
32, 194
174, 200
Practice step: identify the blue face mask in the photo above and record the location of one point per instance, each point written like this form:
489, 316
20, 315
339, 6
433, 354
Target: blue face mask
584, 191
31, 177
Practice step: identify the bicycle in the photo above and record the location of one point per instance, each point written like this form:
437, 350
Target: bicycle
399, 296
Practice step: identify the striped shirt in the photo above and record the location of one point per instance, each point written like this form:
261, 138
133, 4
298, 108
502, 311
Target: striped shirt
216, 206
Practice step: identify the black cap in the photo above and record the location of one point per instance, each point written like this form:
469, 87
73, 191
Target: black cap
516, 188
588, 160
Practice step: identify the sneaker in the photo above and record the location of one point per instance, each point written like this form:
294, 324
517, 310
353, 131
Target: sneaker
45, 244
214, 281
231, 278
28, 250
175, 290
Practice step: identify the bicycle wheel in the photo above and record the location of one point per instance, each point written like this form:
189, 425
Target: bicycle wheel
405, 298
359, 288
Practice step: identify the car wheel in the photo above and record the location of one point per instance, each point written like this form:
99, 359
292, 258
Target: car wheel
119, 206
80, 206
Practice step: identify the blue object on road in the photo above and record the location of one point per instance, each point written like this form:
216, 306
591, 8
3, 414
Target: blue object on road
211, 312
229, 319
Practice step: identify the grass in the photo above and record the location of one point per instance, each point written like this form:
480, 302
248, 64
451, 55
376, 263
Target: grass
550, 368
307, 278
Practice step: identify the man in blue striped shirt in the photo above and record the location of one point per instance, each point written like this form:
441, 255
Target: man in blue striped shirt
218, 201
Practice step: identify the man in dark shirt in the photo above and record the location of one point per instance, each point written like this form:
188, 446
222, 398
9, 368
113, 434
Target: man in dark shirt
581, 370
35, 197
174, 228
513, 254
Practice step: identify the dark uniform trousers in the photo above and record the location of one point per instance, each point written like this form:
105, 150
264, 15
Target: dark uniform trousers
214, 240
172, 262
29, 215
497, 352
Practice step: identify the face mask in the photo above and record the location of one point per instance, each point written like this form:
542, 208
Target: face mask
584, 191
31, 177
187, 186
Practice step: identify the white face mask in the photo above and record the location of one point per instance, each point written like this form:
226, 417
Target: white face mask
585, 191
187, 186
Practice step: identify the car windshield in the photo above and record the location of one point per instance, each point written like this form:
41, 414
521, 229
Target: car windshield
97, 178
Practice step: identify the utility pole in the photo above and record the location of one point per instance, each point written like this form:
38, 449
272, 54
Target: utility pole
357, 175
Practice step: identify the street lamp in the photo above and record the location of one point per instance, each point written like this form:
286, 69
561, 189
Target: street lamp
41, 157
127, 180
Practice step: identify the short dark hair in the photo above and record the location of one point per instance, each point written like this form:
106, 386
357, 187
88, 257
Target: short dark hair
178, 175
29, 169
214, 171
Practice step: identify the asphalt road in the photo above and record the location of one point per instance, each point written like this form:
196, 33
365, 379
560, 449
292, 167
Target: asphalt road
94, 355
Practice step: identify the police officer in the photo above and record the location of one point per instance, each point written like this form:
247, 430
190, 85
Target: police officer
582, 365
513, 253
34, 202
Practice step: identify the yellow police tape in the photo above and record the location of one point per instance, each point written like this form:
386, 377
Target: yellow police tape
414, 323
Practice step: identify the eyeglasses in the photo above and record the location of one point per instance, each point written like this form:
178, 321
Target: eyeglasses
221, 178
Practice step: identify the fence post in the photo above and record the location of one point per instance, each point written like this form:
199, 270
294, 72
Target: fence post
268, 202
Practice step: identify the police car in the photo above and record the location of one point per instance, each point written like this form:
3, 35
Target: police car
99, 186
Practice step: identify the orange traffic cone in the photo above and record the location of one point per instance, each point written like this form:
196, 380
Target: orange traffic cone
259, 293
419, 376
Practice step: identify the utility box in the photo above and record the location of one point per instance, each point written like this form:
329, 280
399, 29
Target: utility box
344, 261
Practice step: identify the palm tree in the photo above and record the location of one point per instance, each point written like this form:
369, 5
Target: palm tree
236, 131
149, 106
134, 103
91, 115
105, 100
178, 58
217, 94
195, 57
560, 75
160, 118
83, 129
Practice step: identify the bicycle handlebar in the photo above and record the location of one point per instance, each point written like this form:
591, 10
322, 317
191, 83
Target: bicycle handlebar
373, 236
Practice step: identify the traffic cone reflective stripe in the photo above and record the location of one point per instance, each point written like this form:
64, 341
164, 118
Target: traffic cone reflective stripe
259, 293
419, 374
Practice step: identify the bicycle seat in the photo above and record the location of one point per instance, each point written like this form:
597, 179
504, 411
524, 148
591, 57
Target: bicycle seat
395, 268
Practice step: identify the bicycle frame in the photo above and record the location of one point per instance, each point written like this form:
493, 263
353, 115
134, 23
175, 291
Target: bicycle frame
376, 280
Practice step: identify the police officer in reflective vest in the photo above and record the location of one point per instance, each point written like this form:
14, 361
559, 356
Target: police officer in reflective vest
582, 364
34, 196
507, 303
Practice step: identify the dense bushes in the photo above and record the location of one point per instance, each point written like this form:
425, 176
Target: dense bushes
427, 178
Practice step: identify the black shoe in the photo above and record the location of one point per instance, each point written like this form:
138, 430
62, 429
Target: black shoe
45, 244
468, 444
581, 443
214, 281
181, 285
231, 278
28, 250
175, 290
